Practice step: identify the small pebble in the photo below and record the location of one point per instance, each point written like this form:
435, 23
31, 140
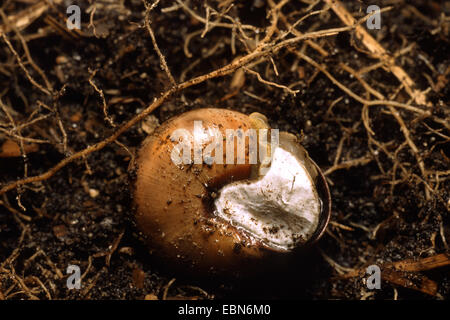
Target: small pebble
93, 193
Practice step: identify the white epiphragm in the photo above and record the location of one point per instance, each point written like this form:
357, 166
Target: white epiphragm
282, 208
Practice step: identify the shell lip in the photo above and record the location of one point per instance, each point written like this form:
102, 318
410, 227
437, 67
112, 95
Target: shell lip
325, 214
323, 191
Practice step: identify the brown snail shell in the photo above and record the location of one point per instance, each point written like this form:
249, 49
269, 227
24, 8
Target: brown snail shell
175, 203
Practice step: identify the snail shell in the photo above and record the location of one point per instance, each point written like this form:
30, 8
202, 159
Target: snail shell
222, 215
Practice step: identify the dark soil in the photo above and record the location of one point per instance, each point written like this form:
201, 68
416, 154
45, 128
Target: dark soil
66, 222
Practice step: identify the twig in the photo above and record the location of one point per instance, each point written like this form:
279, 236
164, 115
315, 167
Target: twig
215, 24
270, 83
166, 289
113, 248
25, 17
27, 53
22, 66
155, 44
91, 24
425, 113
399, 120
349, 164
100, 92
378, 51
